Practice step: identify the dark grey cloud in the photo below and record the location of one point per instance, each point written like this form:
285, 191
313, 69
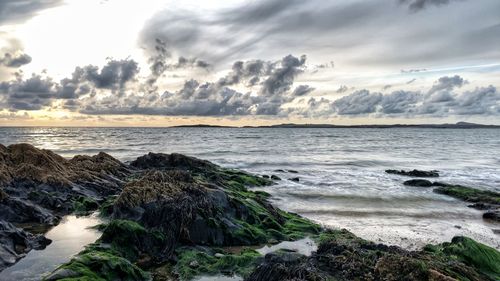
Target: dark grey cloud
265, 29
33, 93
15, 11
38, 92
417, 5
447, 83
413, 70
482, 101
399, 102
274, 82
15, 60
359, 102
302, 90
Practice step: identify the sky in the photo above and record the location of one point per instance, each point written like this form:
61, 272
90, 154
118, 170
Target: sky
164, 63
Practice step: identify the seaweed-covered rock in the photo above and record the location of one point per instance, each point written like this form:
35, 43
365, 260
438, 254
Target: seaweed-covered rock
92, 264
15, 243
343, 256
190, 210
287, 266
414, 173
468, 194
23, 164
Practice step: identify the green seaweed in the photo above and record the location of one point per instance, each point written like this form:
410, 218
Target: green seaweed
131, 239
99, 265
484, 258
84, 205
468, 194
194, 262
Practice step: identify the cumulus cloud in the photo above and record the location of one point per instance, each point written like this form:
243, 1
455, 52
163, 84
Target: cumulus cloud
15, 60
359, 102
33, 93
447, 83
38, 92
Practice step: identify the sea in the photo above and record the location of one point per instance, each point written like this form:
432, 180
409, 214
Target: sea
342, 183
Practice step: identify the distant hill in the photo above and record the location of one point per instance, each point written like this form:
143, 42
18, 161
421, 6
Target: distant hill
458, 125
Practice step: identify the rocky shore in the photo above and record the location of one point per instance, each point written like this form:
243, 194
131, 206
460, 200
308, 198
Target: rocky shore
174, 217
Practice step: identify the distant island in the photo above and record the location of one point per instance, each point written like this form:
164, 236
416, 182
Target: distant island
458, 125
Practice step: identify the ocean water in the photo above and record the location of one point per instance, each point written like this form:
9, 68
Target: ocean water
342, 179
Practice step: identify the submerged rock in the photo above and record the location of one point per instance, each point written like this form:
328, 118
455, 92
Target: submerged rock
414, 173
419, 183
492, 215
275, 177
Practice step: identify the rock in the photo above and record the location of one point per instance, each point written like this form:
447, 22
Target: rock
469, 194
294, 179
172, 161
265, 176
194, 264
418, 182
15, 243
280, 171
492, 215
275, 177
293, 171
482, 206
190, 211
414, 173
343, 256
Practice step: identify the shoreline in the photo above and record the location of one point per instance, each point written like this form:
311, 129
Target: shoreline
211, 207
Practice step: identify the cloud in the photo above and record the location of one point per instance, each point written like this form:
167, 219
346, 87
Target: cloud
33, 93
302, 90
359, 102
16, 11
417, 5
399, 102
15, 60
38, 92
350, 32
447, 83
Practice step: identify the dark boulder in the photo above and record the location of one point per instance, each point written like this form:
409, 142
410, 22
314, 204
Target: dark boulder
492, 215
419, 183
15, 243
275, 177
172, 161
296, 179
414, 173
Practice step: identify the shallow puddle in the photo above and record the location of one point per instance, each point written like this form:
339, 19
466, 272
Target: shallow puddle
68, 238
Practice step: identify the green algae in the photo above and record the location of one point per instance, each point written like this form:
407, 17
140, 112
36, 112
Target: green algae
131, 239
84, 205
484, 258
195, 262
98, 265
468, 194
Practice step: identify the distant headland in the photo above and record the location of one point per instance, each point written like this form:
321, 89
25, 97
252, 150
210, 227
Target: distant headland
458, 125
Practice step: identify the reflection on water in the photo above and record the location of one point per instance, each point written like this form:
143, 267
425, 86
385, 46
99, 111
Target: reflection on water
341, 171
68, 238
